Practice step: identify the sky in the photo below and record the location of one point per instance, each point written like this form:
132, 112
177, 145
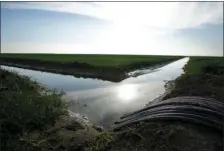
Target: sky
154, 28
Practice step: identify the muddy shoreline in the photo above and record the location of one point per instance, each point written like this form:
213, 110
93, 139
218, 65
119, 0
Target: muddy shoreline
113, 74
169, 87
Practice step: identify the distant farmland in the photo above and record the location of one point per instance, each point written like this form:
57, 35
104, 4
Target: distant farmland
95, 60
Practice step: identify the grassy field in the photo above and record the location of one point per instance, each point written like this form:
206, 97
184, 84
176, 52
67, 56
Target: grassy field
95, 60
204, 77
205, 65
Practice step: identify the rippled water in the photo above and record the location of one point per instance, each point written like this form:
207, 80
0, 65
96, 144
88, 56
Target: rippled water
103, 102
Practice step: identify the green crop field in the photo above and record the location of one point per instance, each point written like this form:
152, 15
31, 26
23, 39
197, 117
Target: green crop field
198, 65
95, 60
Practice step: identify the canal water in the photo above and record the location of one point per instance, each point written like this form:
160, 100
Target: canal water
103, 102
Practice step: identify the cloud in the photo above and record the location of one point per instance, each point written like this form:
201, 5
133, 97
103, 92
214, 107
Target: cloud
158, 15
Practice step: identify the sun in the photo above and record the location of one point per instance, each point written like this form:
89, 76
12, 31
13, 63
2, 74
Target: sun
127, 92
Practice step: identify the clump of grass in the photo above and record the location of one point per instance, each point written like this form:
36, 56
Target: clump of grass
25, 107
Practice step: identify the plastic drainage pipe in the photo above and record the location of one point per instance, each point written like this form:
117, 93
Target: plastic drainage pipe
175, 116
181, 109
195, 101
199, 110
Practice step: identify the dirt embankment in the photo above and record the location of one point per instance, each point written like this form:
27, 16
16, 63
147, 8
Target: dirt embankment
74, 68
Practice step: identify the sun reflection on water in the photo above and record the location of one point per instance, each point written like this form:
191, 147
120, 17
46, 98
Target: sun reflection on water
127, 92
